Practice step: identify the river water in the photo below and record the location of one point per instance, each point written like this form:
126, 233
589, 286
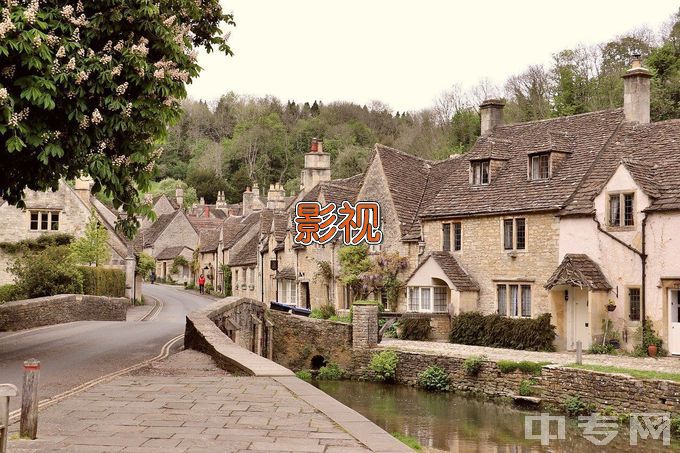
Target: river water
454, 423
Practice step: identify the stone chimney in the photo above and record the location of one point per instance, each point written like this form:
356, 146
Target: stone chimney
491, 112
221, 202
201, 202
276, 197
317, 166
256, 204
247, 201
179, 196
83, 188
636, 92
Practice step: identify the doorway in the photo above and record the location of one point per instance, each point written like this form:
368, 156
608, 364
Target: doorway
674, 321
578, 319
306, 303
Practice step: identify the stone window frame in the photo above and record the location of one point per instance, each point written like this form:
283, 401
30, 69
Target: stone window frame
621, 194
455, 236
514, 220
628, 289
431, 290
477, 178
530, 170
49, 221
521, 286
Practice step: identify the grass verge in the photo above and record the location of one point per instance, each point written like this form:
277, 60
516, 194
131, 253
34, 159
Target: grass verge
640, 374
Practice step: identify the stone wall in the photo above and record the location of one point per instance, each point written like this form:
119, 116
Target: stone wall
297, 340
44, 311
620, 392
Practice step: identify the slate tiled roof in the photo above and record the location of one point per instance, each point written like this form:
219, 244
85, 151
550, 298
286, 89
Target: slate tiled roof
448, 264
209, 240
247, 255
205, 223
337, 190
580, 137
579, 270
280, 226
171, 253
234, 230
148, 236
650, 152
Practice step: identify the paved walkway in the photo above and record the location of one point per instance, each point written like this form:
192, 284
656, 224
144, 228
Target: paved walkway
667, 364
186, 404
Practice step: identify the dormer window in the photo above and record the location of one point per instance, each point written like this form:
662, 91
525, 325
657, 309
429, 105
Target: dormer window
621, 206
539, 166
480, 172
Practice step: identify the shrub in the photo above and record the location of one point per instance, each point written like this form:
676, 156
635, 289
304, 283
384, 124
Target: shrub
327, 310
209, 288
415, 328
347, 319
98, 281
330, 372
410, 441
473, 365
474, 328
145, 264
191, 285
37, 244
47, 273
601, 349
574, 406
304, 375
316, 314
384, 365
650, 338
525, 366
9, 293
434, 379
526, 387
675, 426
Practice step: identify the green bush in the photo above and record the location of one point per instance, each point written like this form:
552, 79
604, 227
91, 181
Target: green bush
47, 273
650, 338
191, 285
675, 426
330, 372
473, 365
410, 441
98, 281
304, 375
37, 244
434, 379
526, 387
414, 327
525, 366
326, 311
574, 406
316, 314
474, 328
9, 293
384, 365
601, 349
346, 319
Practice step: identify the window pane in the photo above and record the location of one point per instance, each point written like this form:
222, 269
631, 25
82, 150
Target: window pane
446, 237
476, 173
34, 220
458, 236
521, 233
514, 300
43, 220
440, 299
628, 209
634, 303
507, 234
54, 224
534, 167
413, 299
544, 163
526, 301
293, 293
502, 306
425, 299
614, 210
485, 173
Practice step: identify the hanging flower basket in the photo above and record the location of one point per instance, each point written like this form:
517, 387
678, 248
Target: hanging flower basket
611, 307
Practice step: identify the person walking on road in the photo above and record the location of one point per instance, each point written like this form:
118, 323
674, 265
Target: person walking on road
201, 284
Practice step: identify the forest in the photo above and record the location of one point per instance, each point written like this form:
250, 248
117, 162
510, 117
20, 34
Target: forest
239, 140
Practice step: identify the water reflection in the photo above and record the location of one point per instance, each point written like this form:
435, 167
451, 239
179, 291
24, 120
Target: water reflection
455, 423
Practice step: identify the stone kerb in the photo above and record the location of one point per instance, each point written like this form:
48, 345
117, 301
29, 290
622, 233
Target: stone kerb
203, 334
45, 311
365, 326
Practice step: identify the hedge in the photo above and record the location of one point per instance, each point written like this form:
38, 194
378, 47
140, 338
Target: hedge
474, 328
9, 293
99, 281
414, 327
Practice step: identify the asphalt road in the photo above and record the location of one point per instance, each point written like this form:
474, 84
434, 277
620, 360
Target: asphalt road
75, 353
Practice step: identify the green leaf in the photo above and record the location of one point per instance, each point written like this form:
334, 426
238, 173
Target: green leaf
14, 143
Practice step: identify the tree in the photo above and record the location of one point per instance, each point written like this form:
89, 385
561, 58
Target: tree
168, 187
92, 248
207, 184
354, 262
384, 275
145, 264
91, 88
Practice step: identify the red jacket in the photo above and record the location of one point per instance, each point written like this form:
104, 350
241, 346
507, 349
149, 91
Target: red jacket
201, 280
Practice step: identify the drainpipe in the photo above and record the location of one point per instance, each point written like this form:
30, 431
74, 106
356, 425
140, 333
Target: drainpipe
643, 261
276, 255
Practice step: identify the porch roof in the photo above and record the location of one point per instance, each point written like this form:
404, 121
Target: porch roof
579, 270
448, 264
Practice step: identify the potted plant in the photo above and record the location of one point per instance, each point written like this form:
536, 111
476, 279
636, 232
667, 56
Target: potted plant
611, 305
652, 350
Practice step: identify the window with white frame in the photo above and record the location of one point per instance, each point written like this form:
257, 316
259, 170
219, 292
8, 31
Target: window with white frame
514, 300
480, 172
428, 299
252, 276
44, 221
621, 210
515, 234
540, 166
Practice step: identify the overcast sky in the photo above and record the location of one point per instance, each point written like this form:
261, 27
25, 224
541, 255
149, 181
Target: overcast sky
403, 53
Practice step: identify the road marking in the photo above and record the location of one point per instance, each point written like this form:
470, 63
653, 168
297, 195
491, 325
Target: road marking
155, 310
165, 352
26, 332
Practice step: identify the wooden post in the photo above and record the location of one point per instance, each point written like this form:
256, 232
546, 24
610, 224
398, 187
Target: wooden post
28, 426
7, 391
579, 352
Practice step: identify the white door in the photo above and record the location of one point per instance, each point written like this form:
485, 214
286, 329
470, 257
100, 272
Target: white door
674, 321
578, 316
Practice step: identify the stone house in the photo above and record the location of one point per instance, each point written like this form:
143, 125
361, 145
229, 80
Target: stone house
66, 210
167, 266
169, 230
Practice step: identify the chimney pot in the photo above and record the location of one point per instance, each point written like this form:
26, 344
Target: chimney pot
314, 147
491, 112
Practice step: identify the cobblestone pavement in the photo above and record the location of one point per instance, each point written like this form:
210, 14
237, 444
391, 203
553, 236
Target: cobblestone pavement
667, 364
186, 404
